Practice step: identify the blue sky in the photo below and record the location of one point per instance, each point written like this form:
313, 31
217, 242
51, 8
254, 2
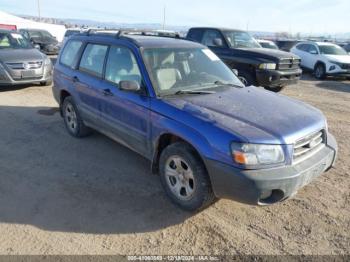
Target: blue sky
306, 16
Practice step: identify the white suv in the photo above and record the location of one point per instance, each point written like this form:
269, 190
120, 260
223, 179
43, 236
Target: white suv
323, 58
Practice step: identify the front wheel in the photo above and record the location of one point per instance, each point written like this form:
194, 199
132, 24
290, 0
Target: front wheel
320, 71
275, 89
185, 178
246, 78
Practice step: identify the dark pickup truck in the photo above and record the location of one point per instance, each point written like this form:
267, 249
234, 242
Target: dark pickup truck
272, 69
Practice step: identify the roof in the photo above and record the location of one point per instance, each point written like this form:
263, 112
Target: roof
145, 41
218, 28
317, 43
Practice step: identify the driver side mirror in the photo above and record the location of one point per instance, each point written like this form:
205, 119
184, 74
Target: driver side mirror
131, 86
218, 42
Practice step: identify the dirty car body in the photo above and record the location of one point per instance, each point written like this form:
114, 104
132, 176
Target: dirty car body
226, 124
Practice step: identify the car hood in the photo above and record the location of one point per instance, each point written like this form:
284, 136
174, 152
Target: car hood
254, 115
45, 41
20, 55
339, 58
267, 53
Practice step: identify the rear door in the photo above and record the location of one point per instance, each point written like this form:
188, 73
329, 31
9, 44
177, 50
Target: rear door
311, 55
88, 81
125, 113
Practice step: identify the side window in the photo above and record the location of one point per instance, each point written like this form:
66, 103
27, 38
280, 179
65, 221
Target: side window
195, 35
70, 52
209, 36
122, 66
312, 49
302, 47
93, 59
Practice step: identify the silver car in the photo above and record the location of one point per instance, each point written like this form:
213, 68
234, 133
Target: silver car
20, 62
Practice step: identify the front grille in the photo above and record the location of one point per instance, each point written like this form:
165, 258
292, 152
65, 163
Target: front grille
289, 63
26, 65
345, 66
309, 145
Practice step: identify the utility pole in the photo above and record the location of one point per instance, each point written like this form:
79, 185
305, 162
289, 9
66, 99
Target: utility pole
164, 10
38, 2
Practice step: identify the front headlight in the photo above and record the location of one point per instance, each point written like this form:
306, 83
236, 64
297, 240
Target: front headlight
335, 62
269, 66
252, 155
47, 61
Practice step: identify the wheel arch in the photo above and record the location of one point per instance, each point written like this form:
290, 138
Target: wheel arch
63, 95
165, 140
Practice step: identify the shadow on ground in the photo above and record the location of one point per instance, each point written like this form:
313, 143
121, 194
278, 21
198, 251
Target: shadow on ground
58, 183
330, 83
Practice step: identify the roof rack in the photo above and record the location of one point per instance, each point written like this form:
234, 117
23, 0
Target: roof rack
122, 32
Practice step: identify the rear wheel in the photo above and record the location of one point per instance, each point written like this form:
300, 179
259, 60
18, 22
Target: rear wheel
320, 71
184, 177
72, 119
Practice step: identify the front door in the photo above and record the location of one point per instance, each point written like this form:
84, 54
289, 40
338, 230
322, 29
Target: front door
126, 113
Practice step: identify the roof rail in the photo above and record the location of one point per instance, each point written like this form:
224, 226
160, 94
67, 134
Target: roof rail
122, 32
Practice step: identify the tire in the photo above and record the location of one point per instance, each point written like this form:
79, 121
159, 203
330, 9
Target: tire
246, 78
275, 89
72, 119
320, 71
185, 178
46, 83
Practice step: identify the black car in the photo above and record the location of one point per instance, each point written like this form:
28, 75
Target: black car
48, 43
347, 48
272, 69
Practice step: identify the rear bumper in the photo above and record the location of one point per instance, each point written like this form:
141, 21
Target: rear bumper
274, 78
268, 186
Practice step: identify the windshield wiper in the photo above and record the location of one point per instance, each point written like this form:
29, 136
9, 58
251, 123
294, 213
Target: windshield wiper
180, 92
227, 84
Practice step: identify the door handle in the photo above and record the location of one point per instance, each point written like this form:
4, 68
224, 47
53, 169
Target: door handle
75, 79
107, 92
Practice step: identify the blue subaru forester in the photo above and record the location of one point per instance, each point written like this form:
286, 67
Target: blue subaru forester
176, 103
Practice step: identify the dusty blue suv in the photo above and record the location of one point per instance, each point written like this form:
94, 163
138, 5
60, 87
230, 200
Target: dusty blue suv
176, 103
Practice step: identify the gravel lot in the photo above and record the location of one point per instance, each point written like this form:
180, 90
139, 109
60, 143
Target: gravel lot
60, 195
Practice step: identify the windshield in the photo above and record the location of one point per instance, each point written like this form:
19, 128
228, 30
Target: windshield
332, 50
238, 39
13, 40
269, 45
39, 34
173, 70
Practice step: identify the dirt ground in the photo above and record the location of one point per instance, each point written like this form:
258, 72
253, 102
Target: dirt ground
60, 195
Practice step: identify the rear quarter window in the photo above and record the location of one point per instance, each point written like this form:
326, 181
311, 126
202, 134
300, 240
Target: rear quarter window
70, 52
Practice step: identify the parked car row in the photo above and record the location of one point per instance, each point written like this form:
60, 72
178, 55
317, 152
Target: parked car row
177, 104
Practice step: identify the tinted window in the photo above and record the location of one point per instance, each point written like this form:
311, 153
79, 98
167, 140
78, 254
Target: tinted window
34, 34
209, 36
121, 66
93, 59
195, 35
302, 47
70, 52
312, 49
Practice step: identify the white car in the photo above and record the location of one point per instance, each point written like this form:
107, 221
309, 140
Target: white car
324, 58
267, 44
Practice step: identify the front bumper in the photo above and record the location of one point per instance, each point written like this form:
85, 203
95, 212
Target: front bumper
45, 75
274, 78
268, 186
